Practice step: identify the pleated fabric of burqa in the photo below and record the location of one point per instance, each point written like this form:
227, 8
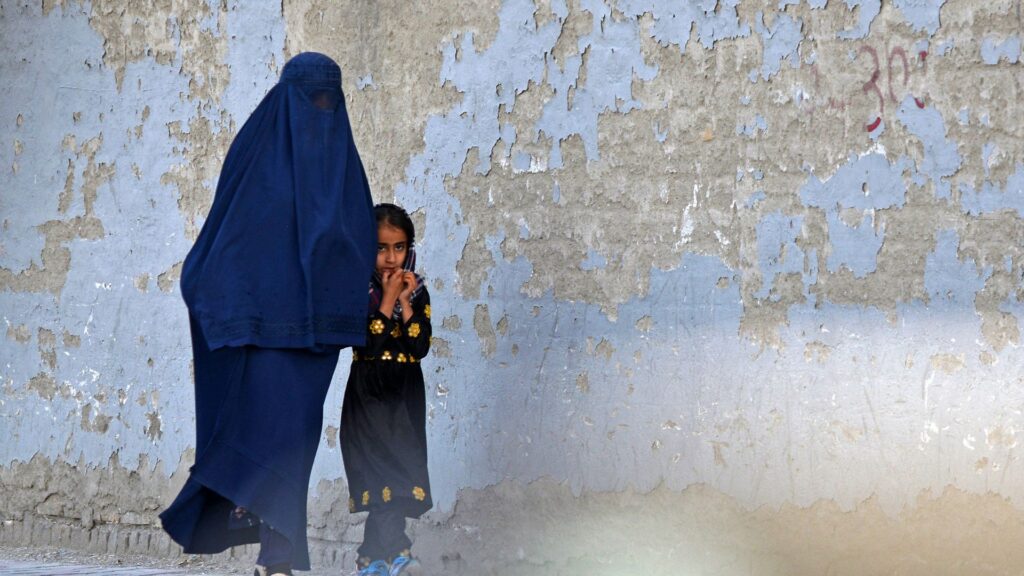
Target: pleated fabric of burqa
275, 286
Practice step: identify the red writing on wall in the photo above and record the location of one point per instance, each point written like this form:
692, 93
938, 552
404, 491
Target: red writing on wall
888, 81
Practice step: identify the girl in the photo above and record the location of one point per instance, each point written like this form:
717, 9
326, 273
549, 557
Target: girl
383, 420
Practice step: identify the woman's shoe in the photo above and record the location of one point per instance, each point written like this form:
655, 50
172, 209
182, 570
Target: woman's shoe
375, 568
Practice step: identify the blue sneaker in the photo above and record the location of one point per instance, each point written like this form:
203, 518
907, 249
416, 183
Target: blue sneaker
405, 565
375, 568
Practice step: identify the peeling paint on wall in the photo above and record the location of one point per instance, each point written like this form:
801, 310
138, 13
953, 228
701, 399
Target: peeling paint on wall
771, 248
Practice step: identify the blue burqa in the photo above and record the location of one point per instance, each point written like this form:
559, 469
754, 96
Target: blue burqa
275, 285
286, 250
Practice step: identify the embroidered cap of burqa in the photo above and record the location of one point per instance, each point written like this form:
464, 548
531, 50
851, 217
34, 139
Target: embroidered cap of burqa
283, 257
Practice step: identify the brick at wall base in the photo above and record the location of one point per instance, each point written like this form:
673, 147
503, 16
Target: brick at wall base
151, 541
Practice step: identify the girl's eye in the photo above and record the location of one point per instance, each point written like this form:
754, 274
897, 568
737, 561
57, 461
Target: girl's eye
380, 248
400, 248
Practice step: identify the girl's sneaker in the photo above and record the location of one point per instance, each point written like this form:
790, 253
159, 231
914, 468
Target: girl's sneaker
405, 565
375, 568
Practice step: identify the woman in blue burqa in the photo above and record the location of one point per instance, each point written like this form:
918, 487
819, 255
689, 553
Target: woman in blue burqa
275, 286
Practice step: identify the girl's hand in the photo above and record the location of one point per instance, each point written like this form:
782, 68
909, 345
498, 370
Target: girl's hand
409, 284
392, 283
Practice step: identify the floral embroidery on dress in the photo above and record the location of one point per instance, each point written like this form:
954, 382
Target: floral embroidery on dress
377, 327
426, 311
414, 329
386, 494
366, 497
418, 493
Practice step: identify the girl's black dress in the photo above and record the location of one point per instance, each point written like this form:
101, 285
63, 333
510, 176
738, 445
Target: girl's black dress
383, 419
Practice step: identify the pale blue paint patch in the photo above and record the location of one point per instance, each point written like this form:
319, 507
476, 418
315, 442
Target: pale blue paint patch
780, 41
593, 261
756, 198
866, 183
1009, 49
758, 125
985, 120
964, 116
745, 100
659, 134
941, 158
922, 15
514, 58
814, 4
811, 276
986, 156
948, 281
523, 230
99, 302
674, 21
527, 417
257, 35
521, 163
945, 47
758, 174
777, 250
1008, 263
739, 175
867, 10
614, 60
993, 198
556, 193
853, 247
921, 46
365, 82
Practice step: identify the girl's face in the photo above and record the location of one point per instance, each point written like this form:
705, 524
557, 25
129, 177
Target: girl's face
392, 247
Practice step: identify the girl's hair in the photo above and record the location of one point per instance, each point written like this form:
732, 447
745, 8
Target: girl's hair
397, 217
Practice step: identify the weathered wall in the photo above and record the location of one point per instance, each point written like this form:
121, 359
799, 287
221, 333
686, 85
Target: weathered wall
721, 286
